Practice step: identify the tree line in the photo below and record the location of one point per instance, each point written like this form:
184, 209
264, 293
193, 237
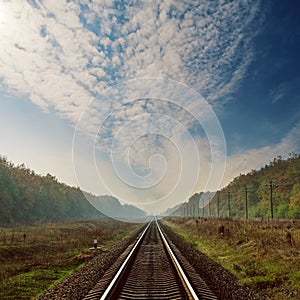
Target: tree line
272, 191
26, 197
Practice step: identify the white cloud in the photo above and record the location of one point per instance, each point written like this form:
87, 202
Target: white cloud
194, 46
156, 122
286, 88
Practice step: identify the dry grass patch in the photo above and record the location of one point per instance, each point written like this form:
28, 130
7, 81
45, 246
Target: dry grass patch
264, 254
34, 258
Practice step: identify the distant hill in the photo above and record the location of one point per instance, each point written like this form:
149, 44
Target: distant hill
26, 197
170, 210
111, 206
280, 175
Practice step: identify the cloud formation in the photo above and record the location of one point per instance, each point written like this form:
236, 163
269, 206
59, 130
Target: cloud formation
61, 54
148, 146
64, 55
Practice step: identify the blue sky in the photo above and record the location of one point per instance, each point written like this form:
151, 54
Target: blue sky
58, 58
267, 103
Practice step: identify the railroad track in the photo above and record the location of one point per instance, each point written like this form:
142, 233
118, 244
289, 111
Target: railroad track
149, 269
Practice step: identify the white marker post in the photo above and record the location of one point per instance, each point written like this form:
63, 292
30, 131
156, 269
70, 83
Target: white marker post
95, 243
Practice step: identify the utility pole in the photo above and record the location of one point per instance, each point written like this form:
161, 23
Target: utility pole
229, 210
209, 211
246, 199
271, 197
218, 204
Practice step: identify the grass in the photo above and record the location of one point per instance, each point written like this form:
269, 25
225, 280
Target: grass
264, 255
30, 284
35, 258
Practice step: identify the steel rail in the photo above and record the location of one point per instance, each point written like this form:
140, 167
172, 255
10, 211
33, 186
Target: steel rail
183, 278
123, 266
179, 269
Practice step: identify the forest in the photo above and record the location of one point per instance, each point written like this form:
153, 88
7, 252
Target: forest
26, 197
271, 192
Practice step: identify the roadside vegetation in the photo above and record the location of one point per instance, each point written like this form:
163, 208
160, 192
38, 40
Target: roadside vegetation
261, 254
34, 258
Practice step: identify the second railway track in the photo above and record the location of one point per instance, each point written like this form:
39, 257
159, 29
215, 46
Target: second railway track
150, 270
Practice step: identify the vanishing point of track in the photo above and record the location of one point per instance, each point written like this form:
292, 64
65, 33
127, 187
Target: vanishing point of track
150, 270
